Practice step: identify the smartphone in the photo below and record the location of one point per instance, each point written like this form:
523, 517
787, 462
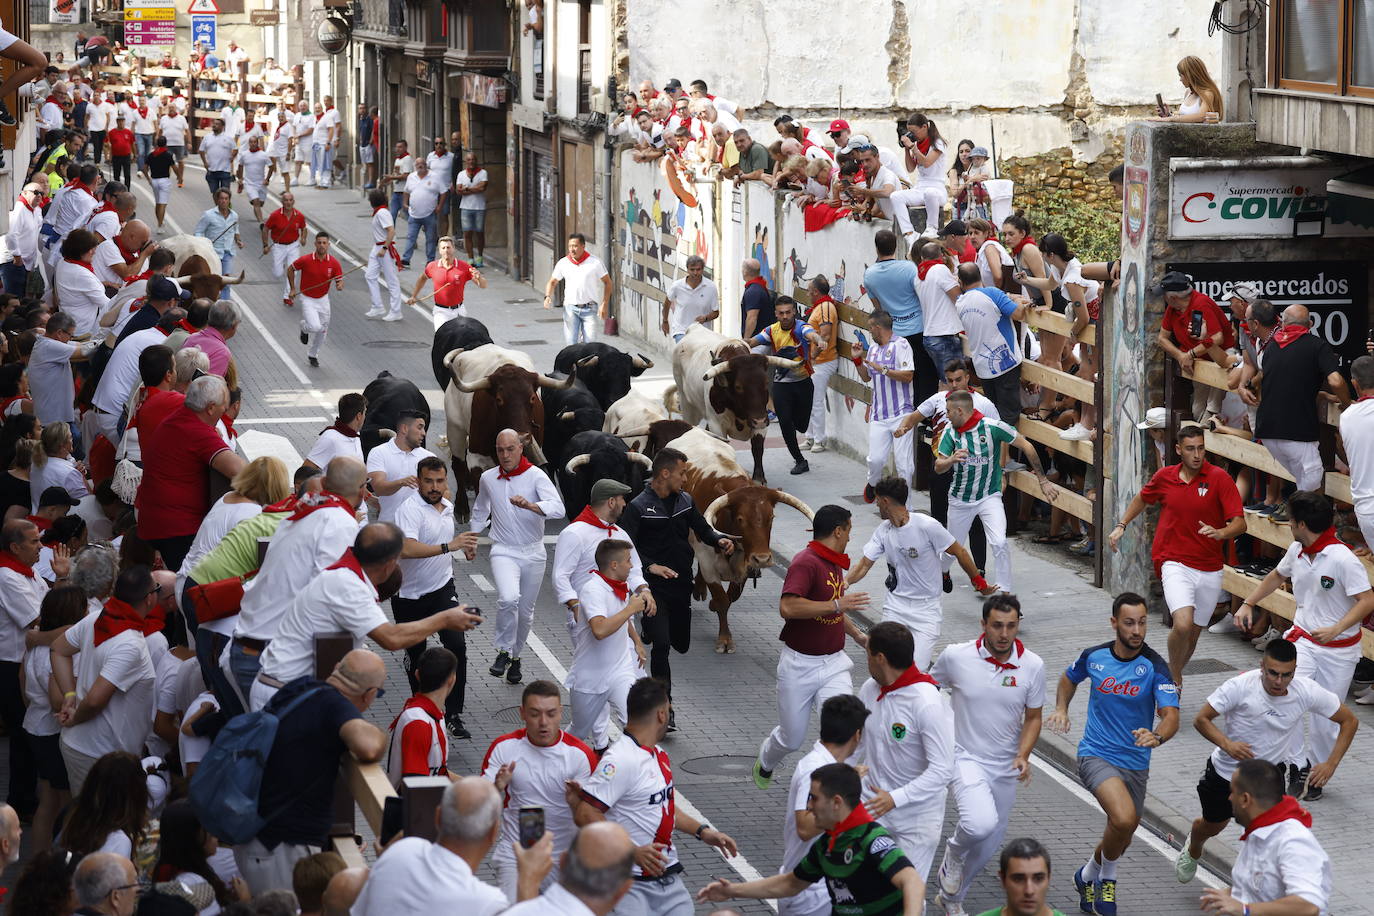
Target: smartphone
392, 819
531, 826
1160, 106
1195, 325
476, 611
859, 336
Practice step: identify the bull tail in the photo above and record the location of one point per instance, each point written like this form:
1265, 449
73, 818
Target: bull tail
671, 401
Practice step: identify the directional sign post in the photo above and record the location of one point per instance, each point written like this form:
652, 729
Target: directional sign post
150, 22
203, 31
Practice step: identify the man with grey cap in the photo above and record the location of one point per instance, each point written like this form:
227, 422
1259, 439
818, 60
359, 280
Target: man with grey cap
594, 875
1192, 328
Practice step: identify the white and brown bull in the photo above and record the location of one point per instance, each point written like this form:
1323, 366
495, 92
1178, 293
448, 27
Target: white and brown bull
719, 381
193, 269
629, 418
490, 389
734, 505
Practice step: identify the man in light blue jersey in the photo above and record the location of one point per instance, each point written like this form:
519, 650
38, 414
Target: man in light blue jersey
1131, 685
972, 445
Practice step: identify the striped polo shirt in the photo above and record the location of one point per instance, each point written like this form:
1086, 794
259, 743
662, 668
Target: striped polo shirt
891, 399
980, 475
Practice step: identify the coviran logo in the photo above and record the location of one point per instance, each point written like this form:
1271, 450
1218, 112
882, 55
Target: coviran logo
1245, 203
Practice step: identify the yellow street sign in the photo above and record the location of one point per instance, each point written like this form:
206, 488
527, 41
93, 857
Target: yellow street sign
148, 13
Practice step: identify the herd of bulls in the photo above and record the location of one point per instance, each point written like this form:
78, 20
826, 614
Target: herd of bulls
582, 422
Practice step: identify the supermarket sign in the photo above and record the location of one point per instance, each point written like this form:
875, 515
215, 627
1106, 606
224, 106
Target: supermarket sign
1211, 199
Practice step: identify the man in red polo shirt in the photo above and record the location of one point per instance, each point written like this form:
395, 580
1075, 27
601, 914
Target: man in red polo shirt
317, 269
1201, 510
1194, 327
281, 234
174, 494
813, 665
450, 276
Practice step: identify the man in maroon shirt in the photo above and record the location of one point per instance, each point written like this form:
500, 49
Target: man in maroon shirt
1201, 510
813, 666
1194, 327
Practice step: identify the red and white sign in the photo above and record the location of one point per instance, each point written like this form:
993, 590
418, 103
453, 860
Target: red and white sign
203, 7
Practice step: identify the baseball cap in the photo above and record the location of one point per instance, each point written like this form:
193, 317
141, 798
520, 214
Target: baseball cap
1247, 291
57, 496
979, 151
856, 141
1155, 418
838, 125
1175, 281
164, 288
953, 227
672, 85
605, 488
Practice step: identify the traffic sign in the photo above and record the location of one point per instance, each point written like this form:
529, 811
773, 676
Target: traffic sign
132, 13
203, 6
203, 30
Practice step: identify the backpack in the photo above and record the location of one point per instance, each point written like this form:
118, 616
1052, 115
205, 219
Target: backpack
226, 785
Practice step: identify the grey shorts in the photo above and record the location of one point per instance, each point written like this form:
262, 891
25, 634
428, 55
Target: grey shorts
473, 220
1094, 771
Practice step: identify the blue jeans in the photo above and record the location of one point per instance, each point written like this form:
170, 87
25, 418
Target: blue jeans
216, 181
429, 224
244, 666
143, 145
15, 278
318, 160
396, 204
942, 349
209, 647
579, 323
226, 261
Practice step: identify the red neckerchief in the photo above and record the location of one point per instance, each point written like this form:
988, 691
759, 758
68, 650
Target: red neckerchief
286, 505
618, 586
1285, 335
590, 517
54, 99
1323, 541
185, 325
129, 256
1287, 809
43, 523
76, 184
759, 280
1001, 666
585, 256
28, 206
912, 675
974, 418
1016, 249
10, 561
924, 267
375, 209
472, 173
306, 505
857, 818
106, 207
419, 701
159, 150
825, 553
349, 561
85, 264
819, 299
342, 429
229, 427
520, 468
116, 617
923, 145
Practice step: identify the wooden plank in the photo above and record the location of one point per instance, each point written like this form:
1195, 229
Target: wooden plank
267, 99
1076, 504
665, 240
1268, 530
1056, 380
164, 71
1048, 434
851, 314
852, 388
1338, 488
1061, 325
1246, 452
348, 851
370, 788
1238, 583
644, 289
1206, 372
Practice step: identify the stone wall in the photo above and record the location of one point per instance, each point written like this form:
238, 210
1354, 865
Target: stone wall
1058, 170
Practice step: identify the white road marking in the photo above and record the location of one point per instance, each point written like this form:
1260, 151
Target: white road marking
482, 582
1142, 833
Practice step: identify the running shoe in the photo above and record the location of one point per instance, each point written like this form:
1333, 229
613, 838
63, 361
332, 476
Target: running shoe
1087, 892
498, 667
1106, 898
314, 363
1280, 514
817, 447
374, 313
395, 316
1185, 867
764, 778
305, 338
513, 673
1262, 642
1076, 433
951, 907
455, 727
951, 874
5, 117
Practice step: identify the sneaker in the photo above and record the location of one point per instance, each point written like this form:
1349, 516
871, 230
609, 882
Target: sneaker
1280, 514
374, 313
5, 117
1268, 509
456, 729
869, 495
1013, 465
951, 874
1076, 433
1087, 892
305, 338
1106, 898
315, 363
477, 262
817, 447
513, 672
672, 720
951, 907
1226, 624
395, 316
801, 467
1297, 779
405, 265
498, 667
1185, 867
947, 583
804, 443
1258, 505
1314, 793
1262, 642
762, 778
1366, 699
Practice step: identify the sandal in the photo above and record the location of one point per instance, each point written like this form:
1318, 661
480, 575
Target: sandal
1051, 538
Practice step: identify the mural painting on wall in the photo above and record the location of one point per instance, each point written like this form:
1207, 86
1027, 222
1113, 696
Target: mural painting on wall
651, 205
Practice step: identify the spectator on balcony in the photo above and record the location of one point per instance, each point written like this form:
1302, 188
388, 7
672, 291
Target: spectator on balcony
925, 155
1193, 328
791, 175
30, 63
699, 90
708, 115
880, 184
993, 260
754, 161
648, 138
1203, 101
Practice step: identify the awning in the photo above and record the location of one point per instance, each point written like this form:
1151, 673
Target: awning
1350, 199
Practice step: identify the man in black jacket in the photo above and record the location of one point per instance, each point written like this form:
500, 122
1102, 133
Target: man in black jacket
658, 521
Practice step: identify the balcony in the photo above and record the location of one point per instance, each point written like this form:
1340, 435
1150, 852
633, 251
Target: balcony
1320, 92
380, 22
479, 35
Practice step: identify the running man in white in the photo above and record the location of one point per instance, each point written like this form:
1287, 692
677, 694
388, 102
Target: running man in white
531, 768
972, 446
515, 498
1264, 710
890, 365
1333, 595
282, 232
606, 661
252, 175
383, 261
842, 727
318, 270
279, 148
633, 786
914, 546
998, 690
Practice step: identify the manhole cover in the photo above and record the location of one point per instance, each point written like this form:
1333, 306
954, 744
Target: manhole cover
397, 344
726, 765
1208, 666
511, 715
527, 343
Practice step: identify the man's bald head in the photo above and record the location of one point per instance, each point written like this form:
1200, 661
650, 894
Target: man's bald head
1297, 314
358, 676
791, 147
343, 890
751, 267
470, 813
345, 476
134, 234
125, 203
507, 437
11, 835
596, 867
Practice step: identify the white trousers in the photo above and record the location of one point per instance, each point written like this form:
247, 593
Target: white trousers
1301, 459
261, 694
651, 898
922, 618
804, 683
1333, 669
381, 268
266, 869
916, 828
282, 257
820, 379
591, 710
989, 509
1364, 516
518, 571
444, 315
984, 797
315, 321
931, 196
881, 444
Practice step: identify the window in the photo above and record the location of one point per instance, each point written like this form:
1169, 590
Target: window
1363, 44
584, 57
1323, 46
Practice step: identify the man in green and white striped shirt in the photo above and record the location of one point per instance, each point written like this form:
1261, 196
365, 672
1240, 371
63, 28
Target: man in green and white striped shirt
972, 445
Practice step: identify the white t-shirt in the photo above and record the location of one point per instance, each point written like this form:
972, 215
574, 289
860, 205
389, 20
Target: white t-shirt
431, 525
104, 222
56, 472
471, 201
916, 550
442, 168
794, 848
330, 118
304, 123
100, 116
989, 250
511, 524
424, 194
941, 317
107, 254
1267, 723
193, 748
933, 407
299, 550
594, 660
1325, 585
537, 781
142, 123
174, 129
633, 786
21, 598
582, 282
1073, 276
219, 151
690, 304
394, 464
381, 222
122, 660
403, 165
218, 522
81, 295
989, 701
1357, 432
255, 167
121, 372
1281, 860
39, 719
417, 876
935, 172
333, 444
337, 600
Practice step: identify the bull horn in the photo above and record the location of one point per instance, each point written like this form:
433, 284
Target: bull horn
641, 459
482, 384
450, 356
588, 362
632, 434
557, 384
386, 435
718, 368
642, 362
717, 505
787, 499
577, 462
224, 278
777, 362
567, 415
182, 281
